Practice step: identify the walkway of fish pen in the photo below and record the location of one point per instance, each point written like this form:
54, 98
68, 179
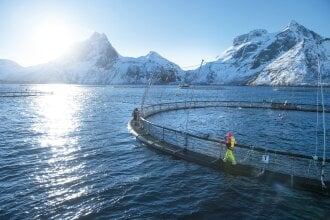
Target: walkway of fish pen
291, 169
23, 93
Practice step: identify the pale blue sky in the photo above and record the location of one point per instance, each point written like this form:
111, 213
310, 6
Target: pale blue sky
183, 31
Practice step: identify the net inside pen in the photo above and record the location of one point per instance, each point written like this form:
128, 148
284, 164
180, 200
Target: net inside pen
276, 161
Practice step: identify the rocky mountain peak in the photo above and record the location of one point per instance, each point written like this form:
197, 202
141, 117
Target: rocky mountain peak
96, 49
299, 32
153, 54
98, 37
293, 25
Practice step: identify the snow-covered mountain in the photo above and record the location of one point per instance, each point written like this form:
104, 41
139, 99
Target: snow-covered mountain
95, 61
141, 69
9, 70
288, 57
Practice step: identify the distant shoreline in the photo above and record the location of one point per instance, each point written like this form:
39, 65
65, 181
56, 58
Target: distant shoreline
142, 85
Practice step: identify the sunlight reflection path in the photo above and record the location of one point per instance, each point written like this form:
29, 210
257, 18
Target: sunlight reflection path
58, 121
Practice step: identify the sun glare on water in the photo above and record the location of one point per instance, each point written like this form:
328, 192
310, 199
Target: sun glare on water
50, 40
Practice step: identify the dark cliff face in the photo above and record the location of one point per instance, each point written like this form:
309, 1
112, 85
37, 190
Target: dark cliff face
110, 55
154, 67
280, 45
159, 75
247, 37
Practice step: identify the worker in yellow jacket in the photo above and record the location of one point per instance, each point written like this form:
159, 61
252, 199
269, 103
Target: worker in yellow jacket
230, 143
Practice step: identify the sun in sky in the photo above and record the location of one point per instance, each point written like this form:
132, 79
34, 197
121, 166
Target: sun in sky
49, 40
38, 31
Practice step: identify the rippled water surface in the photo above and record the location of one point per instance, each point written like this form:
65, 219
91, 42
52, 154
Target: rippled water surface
69, 155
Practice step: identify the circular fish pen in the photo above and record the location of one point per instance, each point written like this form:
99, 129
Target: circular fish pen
300, 171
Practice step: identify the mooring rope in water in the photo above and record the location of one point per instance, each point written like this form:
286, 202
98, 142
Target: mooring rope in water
323, 121
188, 110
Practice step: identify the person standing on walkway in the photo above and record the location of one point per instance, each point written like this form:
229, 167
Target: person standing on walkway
135, 115
230, 143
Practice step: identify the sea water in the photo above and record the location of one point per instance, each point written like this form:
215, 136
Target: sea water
69, 155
